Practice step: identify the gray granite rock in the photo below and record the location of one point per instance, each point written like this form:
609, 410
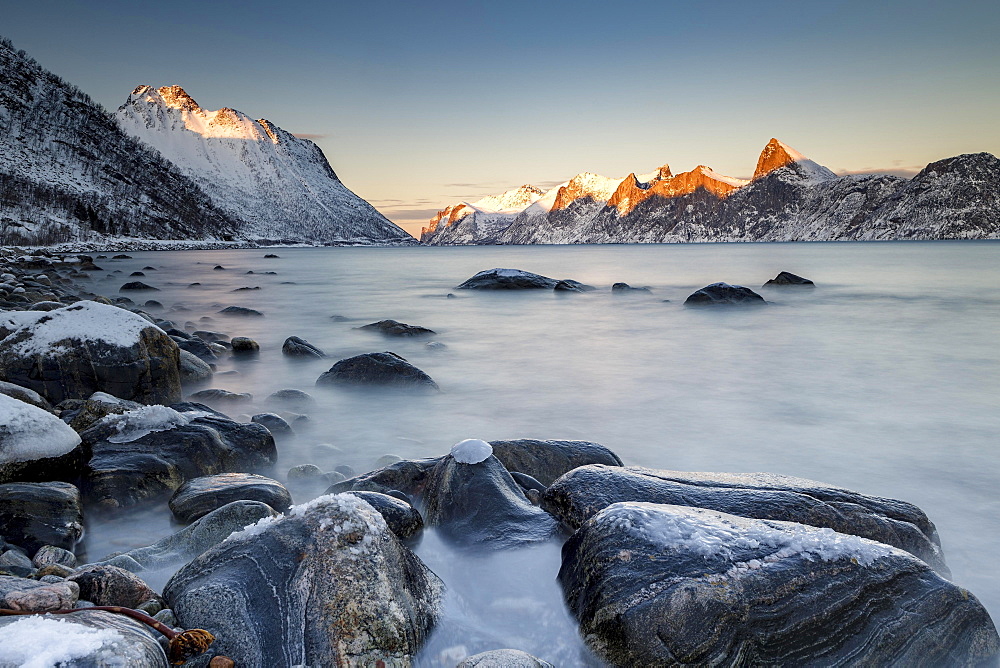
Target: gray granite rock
33, 596
296, 347
199, 496
504, 658
673, 585
105, 584
34, 514
327, 584
546, 460
50, 554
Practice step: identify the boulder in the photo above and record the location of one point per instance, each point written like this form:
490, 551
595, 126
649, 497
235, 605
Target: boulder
85, 638
408, 476
508, 279
547, 460
723, 293
296, 347
401, 518
583, 492
293, 399
504, 658
103, 584
480, 504
156, 449
326, 584
672, 585
393, 328
74, 351
275, 424
244, 346
376, 369
33, 596
134, 286
184, 545
788, 278
625, 288
199, 496
197, 347
25, 395
569, 285
193, 369
219, 396
35, 514
50, 554
81, 414
35, 444
241, 311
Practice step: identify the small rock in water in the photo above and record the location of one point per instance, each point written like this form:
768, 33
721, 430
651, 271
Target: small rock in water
394, 328
296, 347
788, 278
624, 288
471, 451
304, 472
241, 311
136, 285
243, 345
218, 267
723, 293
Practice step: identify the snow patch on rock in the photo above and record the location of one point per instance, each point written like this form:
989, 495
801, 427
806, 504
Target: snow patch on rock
83, 321
41, 642
471, 451
28, 433
135, 424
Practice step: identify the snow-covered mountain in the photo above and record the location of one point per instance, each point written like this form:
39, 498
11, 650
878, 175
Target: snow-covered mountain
790, 198
68, 172
279, 186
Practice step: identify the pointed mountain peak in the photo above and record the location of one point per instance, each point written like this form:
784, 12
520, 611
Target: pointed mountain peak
663, 173
778, 154
176, 97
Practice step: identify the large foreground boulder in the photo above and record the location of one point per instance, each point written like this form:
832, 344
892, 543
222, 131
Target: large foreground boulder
35, 444
72, 352
85, 638
546, 460
325, 585
672, 585
155, 449
585, 491
376, 370
722, 293
33, 514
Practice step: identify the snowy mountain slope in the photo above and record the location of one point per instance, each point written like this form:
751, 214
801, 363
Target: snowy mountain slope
480, 220
790, 198
279, 185
68, 172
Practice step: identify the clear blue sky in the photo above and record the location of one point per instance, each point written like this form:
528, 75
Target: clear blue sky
419, 105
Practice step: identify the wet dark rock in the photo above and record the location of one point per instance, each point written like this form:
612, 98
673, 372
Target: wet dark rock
121, 257
136, 285
480, 504
585, 491
209, 336
379, 602
194, 445
274, 424
177, 334
625, 288
35, 514
198, 348
671, 585
193, 285
246, 289
508, 279
527, 483
546, 460
401, 517
193, 369
393, 328
304, 472
80, 364
81, 414
152, 303
16, 563
241, 311
292, 398
199, 496
345, 470
148, 268
50, 554
376, 369
271, 255
723, 293
110, 585
571, 286
24, 394
788, 278
296, 347
504, 658
219, 396
244, 346
219, 267
184, 545
409, 476
138, 274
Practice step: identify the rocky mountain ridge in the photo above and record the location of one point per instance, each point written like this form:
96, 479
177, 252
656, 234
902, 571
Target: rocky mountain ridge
789, 198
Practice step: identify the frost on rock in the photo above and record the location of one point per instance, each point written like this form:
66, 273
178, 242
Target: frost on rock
471, 451
83, 321
135, 424
41, 642
28, 433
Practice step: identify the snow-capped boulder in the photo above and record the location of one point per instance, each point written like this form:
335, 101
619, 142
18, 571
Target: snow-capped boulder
583, 492
666, 585
325, 584
199, 496
88, 347
25, 395
155, 449
87, 638
35, 444
481, 504
376, 370
35, 514
723, 293
546, 460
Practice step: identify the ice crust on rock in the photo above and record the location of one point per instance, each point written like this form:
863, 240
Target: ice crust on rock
28, 432
471, 451
135, 424
41, 642
717, 535
83, 321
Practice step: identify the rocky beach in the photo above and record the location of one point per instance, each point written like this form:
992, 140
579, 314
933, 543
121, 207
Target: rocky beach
109, 408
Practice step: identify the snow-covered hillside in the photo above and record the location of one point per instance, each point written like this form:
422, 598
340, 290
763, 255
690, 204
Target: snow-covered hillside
278, 185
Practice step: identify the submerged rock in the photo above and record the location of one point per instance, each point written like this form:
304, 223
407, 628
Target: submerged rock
219, 396
193, 369
376, 369
546, 460
156, 449
393, 328
296, 347
788, 278
625, 288
327, 584
583, 492
74, 351
508, 279
35, 514
274, 423
672, 585
723, 293
199, 496
241, 311
293, 399
136, 286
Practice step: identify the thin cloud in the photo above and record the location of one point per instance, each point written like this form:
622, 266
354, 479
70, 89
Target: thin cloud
904, 172
308, 135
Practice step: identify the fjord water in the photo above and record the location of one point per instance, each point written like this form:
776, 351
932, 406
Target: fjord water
885, 378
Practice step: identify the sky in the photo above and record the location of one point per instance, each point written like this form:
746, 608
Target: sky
422, 105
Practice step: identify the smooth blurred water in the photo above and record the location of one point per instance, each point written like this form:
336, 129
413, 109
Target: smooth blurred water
885, 379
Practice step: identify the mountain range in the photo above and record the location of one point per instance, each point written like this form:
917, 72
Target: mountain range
789, 198
161, 168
